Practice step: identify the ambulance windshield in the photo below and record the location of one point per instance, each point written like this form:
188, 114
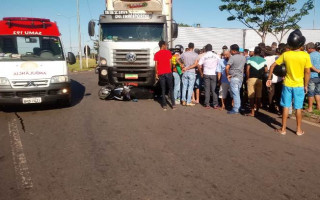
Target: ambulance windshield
30, 48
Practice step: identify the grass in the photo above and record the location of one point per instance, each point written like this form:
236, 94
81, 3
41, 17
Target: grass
76, 67
315, 111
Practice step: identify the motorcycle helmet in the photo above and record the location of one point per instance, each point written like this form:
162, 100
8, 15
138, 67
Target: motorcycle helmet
172, 50
296, 39
317, 44
105, 92
179, 48
280, 70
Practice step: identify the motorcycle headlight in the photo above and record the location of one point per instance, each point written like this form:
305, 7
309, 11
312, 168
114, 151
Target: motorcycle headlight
4, 81
59, 79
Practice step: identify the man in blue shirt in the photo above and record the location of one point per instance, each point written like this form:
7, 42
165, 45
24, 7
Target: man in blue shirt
314, 83
223, 79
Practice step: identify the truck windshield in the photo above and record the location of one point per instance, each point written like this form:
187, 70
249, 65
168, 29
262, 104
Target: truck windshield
132, 32
30, 48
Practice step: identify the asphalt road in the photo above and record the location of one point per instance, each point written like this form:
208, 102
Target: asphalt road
101, 150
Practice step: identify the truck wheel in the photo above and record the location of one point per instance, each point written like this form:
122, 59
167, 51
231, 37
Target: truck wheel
102, 82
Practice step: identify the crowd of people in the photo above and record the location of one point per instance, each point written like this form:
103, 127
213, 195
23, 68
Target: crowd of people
276, 77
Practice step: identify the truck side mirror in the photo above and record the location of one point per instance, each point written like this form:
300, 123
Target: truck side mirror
91, 27
71, 58
174, 30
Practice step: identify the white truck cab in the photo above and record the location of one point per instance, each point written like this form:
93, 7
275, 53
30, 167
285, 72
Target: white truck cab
129, 33
33, 67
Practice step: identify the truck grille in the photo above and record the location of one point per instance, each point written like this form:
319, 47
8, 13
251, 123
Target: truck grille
30, 84
142, 58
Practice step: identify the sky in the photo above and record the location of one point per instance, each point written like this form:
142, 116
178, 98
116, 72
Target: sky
203, 12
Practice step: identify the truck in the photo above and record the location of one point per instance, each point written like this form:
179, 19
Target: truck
33, 67
129, 32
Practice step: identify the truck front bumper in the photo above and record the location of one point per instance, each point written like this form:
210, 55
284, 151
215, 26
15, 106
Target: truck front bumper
49, 95
143, 77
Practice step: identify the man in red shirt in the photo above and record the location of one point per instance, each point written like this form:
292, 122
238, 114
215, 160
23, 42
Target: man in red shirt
164, 73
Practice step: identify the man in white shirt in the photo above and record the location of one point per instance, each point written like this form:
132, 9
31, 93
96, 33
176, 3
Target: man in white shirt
274, 92
209, 63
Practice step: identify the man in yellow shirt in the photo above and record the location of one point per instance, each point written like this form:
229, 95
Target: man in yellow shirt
298, 64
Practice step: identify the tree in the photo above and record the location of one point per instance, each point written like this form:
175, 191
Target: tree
289, 18
266, 16
183, 25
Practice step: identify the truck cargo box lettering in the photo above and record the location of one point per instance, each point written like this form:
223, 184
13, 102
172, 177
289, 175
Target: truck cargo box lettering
133, 16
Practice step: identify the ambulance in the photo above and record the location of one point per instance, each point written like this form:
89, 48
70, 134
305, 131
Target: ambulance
33, 65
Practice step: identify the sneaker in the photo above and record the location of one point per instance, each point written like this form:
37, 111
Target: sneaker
184, 103
178, 102
191, 104
165, 108
232, 112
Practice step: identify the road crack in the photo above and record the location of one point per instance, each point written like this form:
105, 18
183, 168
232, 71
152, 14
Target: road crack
21, 122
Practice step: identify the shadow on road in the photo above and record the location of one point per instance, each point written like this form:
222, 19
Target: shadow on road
78, 92
270, 121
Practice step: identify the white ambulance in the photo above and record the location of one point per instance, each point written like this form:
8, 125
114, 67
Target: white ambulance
33, 67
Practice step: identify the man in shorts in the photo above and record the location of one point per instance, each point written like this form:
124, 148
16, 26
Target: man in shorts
298, 64
256, 66
314, 83
222, 79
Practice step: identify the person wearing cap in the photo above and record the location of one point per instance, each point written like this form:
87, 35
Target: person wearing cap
298, 64
251, 52
314, 83
241, 50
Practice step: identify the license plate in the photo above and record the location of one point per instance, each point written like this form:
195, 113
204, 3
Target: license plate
131, 76
31, 100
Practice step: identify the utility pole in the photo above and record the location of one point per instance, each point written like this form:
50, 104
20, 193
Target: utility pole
314, 14
79, 35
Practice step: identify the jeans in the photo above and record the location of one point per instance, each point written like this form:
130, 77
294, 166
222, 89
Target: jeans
177, 86
235, 86
210, 84
166, 80
188, 79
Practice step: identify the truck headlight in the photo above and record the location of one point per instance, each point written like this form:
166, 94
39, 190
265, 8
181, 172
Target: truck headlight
103, 61
59, 79
4, 81
104, 72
